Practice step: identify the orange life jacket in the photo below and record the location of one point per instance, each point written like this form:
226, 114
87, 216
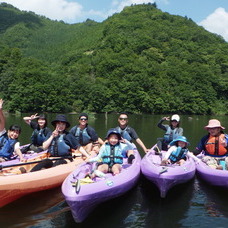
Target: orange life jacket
214, 145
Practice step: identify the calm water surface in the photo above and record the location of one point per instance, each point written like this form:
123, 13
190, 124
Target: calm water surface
189, 205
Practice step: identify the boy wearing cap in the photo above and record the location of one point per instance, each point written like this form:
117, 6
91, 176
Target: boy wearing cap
85, 134
112, 153
172, 131
214, 145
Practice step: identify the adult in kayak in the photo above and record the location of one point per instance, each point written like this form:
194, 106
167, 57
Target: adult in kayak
40, 131
60, 143
172, 131
214, 145
9, 139
128, 132
85, 134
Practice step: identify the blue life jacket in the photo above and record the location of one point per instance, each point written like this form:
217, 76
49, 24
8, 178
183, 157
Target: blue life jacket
178, 154
124, 133
82, 135
6, 146
112, 154
59, 147
38, 137
171, 134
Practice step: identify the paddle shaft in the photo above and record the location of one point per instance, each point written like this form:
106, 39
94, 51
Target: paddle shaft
33, 162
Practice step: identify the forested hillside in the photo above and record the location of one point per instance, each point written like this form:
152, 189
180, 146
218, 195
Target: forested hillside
141, 60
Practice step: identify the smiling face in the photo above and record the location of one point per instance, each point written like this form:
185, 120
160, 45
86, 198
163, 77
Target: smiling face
83, 120
215, 131
41, 122
13, 134
123, 120
60, 126
113, 139
182, 144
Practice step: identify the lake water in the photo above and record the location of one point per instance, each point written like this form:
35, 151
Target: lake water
189, 205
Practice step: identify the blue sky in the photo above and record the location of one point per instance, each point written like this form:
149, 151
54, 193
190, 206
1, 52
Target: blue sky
211, 14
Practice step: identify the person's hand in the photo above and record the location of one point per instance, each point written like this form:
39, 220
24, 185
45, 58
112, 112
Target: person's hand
55, 133
167, 118
1, 103
34, 116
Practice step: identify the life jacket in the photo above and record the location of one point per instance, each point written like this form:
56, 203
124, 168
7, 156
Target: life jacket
178, 154
112, 154
38, 137
214, 146
124, 133
82, 135
171, 134
58, 147
6, 146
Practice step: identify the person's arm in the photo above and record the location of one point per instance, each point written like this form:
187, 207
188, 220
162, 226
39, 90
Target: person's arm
17, 150
28, 119
98, 157
2, 118
47, 142
160, 125
191, 155
139, 141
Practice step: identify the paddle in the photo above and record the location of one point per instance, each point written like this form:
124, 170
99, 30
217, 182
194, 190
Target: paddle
33, 162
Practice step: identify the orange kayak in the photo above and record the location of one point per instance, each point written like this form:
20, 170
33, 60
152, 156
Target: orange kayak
14, 183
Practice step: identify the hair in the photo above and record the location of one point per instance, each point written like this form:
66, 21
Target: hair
123, 113
178, 125
15, 128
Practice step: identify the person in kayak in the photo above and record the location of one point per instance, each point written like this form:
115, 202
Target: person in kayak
40, 131
178, 152
128, 132
214, 145
9, 139
112, 153
60, 143
85, 134
172, 131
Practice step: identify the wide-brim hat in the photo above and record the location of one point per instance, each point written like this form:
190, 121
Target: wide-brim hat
60, 118
179, 138
214, 123
113, 131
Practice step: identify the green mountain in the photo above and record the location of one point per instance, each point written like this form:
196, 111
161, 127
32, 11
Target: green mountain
141, 60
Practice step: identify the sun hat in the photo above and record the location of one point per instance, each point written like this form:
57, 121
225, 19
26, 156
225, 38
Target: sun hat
179, 138
60, 118
83, 114
113, 131
214, 123
175, 117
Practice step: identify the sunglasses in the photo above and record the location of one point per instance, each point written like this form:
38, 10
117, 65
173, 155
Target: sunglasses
83, 118
123, 118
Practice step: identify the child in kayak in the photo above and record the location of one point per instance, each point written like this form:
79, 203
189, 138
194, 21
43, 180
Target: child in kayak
111, 154
178, 152
9, 139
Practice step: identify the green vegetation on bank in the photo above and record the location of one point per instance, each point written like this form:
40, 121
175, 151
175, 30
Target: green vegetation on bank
141, 60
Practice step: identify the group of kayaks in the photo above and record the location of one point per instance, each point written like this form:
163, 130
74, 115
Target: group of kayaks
83, 193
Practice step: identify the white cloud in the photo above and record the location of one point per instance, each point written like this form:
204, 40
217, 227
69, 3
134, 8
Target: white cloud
53, 9
217, 22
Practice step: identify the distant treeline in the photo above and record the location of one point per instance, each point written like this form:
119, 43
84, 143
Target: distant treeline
141, 60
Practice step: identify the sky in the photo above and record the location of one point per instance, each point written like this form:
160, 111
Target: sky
211, 14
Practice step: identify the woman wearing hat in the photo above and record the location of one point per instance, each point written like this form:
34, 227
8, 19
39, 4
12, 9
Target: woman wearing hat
172, 131
40, 131
59, 144
178, 152
214, 145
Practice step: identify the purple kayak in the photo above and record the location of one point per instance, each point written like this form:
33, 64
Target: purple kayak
166, 177
82, 196
213, 177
